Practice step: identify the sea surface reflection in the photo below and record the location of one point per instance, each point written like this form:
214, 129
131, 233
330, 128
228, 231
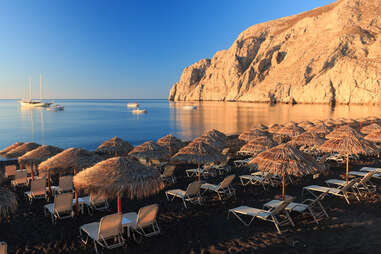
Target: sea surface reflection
87, 123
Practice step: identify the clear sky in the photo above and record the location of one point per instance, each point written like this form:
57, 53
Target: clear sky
119, 48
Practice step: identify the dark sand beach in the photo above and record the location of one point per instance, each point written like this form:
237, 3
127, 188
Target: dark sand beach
354, 228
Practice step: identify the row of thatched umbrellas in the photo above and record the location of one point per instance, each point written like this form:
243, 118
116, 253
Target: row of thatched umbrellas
118, 175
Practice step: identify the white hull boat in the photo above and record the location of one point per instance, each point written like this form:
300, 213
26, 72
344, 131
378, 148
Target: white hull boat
132, 105
189, 107
139, 111
56, 107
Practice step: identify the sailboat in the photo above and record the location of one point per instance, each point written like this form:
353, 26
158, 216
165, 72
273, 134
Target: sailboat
34, 103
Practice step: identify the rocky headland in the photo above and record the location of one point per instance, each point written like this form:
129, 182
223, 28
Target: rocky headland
330, 55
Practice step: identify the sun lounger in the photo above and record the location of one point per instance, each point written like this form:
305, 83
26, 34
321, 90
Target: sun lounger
10, 171
95, 204
62, 207
310, 206
144, 222
65, 184
192, 194
21, 179
341, 191
205, 172
259, 178
3, 248
368, 169
362, 186
363, 173
242, 163
37, 190
222, 189
278, 215
168, 174
107, 233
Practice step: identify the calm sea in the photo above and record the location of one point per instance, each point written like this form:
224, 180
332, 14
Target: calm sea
87, 123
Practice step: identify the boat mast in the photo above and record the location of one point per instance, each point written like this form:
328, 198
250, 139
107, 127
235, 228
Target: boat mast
40, 87
30, 88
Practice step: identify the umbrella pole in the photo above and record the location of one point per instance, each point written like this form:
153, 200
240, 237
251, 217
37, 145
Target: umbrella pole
49, 184
346, 175
283, 183
199, 172
119, 203
76, 197
32, 172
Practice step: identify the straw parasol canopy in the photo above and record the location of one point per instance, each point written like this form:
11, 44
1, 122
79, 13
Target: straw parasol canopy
216, 134
290, 131
11, 147
150, 151
257, 145
341, 131
253, 133
69, 160
260, 126
216, 143
320, 129
349, 144
115, 146
273, 128
197, 153
306, 124
119, 176
306, 139
21, 150
370, 128
171, 143
372, 119
39, 155
8, 202
375, 136
285, 160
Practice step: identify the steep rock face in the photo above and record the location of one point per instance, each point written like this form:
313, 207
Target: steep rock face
331, 54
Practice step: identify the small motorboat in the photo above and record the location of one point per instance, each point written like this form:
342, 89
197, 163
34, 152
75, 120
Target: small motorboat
132, 105
56, 107
190, 107
139, 111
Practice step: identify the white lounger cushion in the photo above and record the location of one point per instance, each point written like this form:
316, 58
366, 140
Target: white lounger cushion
363, 173
296, 207
50, 207
323, 189
208, 186
250, 211
176, 192
252, 177
336, 182
91, 229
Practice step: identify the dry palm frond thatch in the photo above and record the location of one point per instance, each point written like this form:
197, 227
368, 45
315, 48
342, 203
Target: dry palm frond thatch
349, 144
257, 145
11, 147
344, 130
290, 131
8, 202
150, 151
320, 129
21, 150
216, 134
115, 146
370, 128
171, 143
39, 155
306, 124
69, 160
197, 153
253, 133
375, 136
119, 176
306, 139
216, 143
273, 128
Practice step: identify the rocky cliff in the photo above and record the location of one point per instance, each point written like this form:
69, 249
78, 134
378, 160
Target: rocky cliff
331, 54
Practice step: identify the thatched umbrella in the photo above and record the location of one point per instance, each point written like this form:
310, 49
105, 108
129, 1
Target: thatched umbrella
117, 176
285, 160
234, 144
8, 202
341, 131
320, 129
197, 153
216, 143
260, 126
306, 124
329, 123
375, 136
291, 130
171, 143
11, 147
307, 139
115, 146
150, 151
273, 128
38, 155
21, 150
72, 160
372, 119
370, 128
258, 145
253, 133
349, 144
216, 134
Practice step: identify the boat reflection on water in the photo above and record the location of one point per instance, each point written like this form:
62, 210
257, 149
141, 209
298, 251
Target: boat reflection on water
34, 119
236, 117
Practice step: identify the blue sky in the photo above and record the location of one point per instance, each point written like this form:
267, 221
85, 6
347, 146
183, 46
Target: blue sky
119, 48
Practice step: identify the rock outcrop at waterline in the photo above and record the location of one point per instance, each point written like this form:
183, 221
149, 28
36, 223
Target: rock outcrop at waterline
331, 54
